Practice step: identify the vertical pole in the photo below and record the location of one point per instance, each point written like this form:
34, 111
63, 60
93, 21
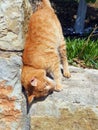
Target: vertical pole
81, 14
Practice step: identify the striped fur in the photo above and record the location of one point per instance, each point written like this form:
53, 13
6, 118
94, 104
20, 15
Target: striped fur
45, 45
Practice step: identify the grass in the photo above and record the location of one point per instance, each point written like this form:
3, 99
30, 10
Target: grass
83, 52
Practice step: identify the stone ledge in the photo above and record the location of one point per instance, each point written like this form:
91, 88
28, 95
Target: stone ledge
74, 108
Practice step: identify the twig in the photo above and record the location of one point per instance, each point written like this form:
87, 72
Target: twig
79, 62
96, 27
95, 58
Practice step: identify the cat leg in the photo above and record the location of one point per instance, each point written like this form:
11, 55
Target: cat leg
55, 69
49, 82
63, 56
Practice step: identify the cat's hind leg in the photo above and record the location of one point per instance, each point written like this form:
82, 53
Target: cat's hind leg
63, 56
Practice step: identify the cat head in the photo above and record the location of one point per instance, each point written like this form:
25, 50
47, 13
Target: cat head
38, 88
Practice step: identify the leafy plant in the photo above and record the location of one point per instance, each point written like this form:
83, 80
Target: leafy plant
85, 55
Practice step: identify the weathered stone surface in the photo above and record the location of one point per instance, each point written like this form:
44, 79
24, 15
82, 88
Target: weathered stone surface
14, 16
74, 108
11, 18
27, 13
13, 112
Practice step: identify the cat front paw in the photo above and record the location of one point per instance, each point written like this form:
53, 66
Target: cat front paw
58, 88
67, 74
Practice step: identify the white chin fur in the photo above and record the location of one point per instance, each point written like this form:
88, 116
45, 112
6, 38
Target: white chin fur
47, 87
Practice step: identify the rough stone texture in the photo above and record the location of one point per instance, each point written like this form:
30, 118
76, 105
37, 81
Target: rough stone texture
14, 17
13, 113
11, 18
27, 13
75, 108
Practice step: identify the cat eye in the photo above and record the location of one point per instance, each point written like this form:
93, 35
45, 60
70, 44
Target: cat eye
32, 80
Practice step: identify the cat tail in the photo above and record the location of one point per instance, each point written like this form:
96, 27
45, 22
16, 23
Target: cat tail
46, 3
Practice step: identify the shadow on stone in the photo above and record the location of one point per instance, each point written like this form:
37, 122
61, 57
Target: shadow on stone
35, 100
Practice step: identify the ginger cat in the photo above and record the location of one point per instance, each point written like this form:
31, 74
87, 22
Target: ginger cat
44, 50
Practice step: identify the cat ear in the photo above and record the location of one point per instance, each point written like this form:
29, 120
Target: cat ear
34, 82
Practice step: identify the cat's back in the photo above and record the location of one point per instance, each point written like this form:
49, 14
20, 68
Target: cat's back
42, 14
44, 25
43, 38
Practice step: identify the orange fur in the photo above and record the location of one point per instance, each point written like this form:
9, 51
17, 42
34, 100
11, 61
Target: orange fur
45, 45
43, 87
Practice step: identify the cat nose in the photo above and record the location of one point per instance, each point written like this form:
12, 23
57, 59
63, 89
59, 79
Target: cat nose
49, 89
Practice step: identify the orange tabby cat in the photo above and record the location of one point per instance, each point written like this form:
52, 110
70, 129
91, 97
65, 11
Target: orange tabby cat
45, 46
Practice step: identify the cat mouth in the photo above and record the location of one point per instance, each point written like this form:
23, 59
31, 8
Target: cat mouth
44, 93
43, 97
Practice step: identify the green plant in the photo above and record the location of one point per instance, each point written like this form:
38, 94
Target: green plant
81, 53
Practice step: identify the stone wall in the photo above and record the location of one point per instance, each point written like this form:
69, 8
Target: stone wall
13, 111
11, 18
13, 107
